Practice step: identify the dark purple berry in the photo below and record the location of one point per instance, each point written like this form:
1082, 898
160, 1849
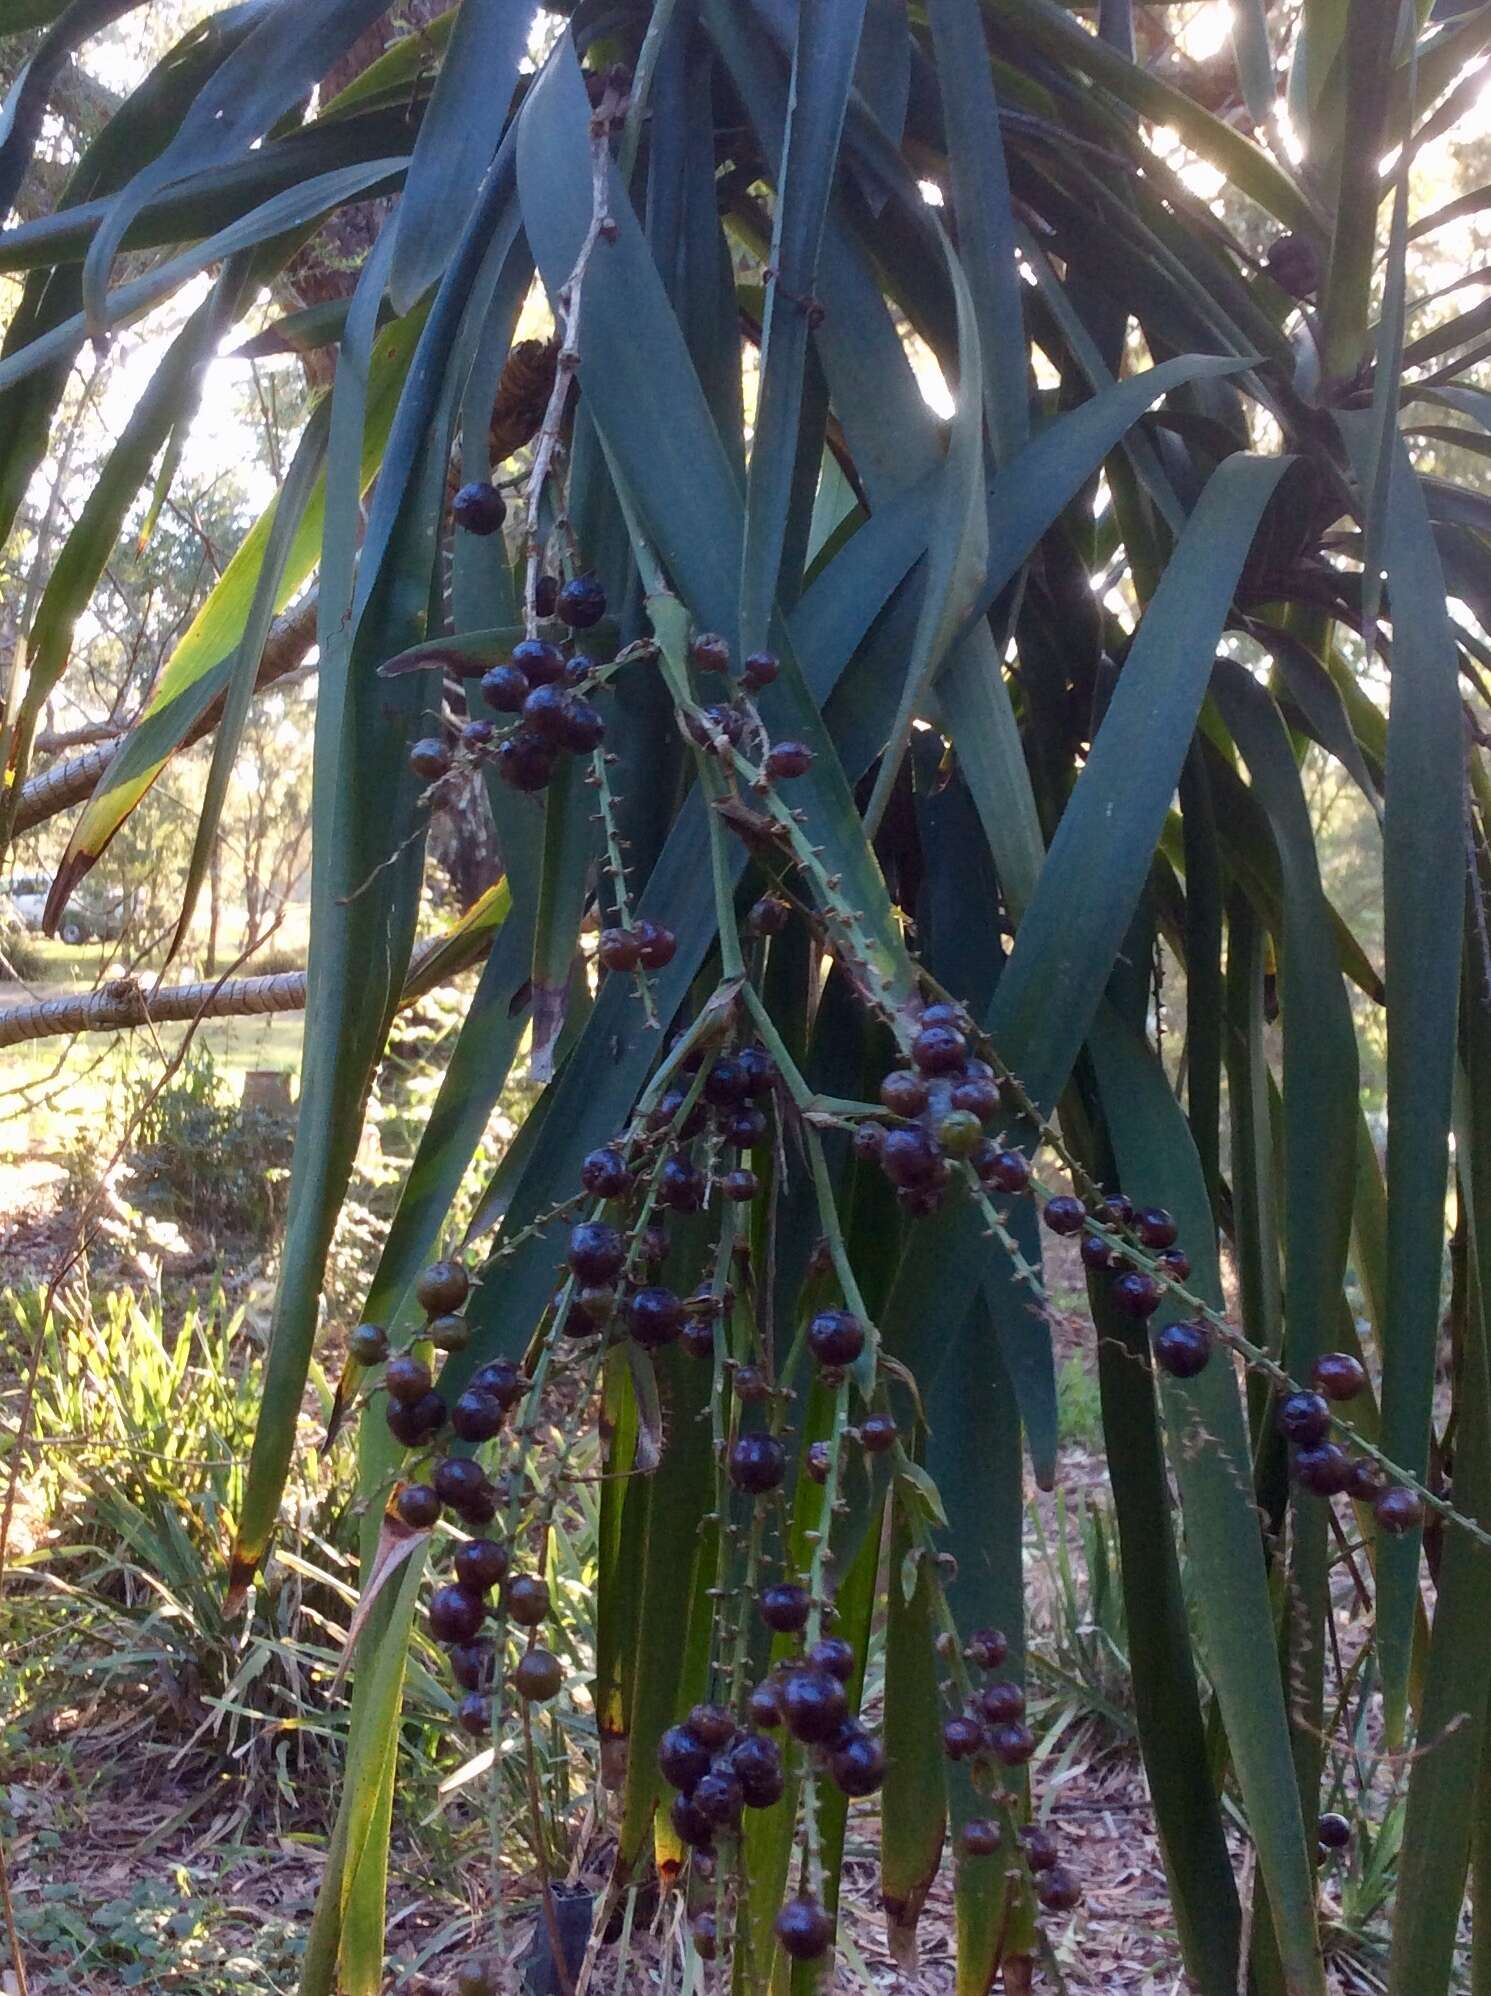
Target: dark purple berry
596, 1251
1002, 1702
479, 508
478, 734
909, 1157
1011, 1745
457, 1479
977, 1097
757, 1463
1367, 1482
1398, 1510
757, 1765
538, 1676
407, 1378
524, 761
785, 1607
449, 1333
1006, 1171
658, 944
418, 1506
654, 1317
414, 1421
477, 1416
682, 1759
583, 726
877, 1434
816, 1461
502, 1379
1183, 1350
1064, 1215
480, 1565
1173, 1264
788, 759
604, 1174
710, 652
1041, 1848
769, 916
868, 1142
443, 1286
987, 1648
505, 687
545, 595
961, 1737
540, 663
833, 1654
430, 759
805, 1931
473, 1665
759, 670
619, 949
1304, 1418
903, 1093
1323, 1468
581, 602
1333, 1831
940, 1050
526, 1598
747, 1128
835, 1337
980, 1837
1135, 1293
1155, 1227
718, 1797
727, 1083
741, 1185
544, 714
813, 1704
764, 1706
474, 1715
1057, 1890
681, 1185
1338, 1375
857, 1763
1096, 1253
455, 1614
693, 1826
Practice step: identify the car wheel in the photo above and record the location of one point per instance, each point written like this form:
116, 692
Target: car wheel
73, 931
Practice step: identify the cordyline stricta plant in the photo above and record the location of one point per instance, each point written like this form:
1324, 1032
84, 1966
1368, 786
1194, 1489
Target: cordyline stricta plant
856, 749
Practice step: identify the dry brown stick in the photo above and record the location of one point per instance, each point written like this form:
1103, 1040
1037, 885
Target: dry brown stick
67, 783
124, 1004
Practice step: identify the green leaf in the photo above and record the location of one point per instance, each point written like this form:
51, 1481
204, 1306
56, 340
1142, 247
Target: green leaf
456, 142
1255, 61
822, 67
568, 858
1055, 34
1320, 1113
275, 217
913, 1811
1099, 858
984, 220
1423, 907
268, 74
1452, 1715
1153, 1150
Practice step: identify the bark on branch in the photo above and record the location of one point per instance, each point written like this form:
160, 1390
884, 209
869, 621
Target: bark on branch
66, 783
125, 1004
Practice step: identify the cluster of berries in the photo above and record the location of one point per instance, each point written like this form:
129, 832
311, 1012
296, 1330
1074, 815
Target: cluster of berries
458, 1486
734, 719
720, 1768
992, 1724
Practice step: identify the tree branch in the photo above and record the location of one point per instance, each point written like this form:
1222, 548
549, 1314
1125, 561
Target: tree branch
291, 636
124, 1004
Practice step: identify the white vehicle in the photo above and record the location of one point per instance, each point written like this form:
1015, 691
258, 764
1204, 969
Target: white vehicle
25, 898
